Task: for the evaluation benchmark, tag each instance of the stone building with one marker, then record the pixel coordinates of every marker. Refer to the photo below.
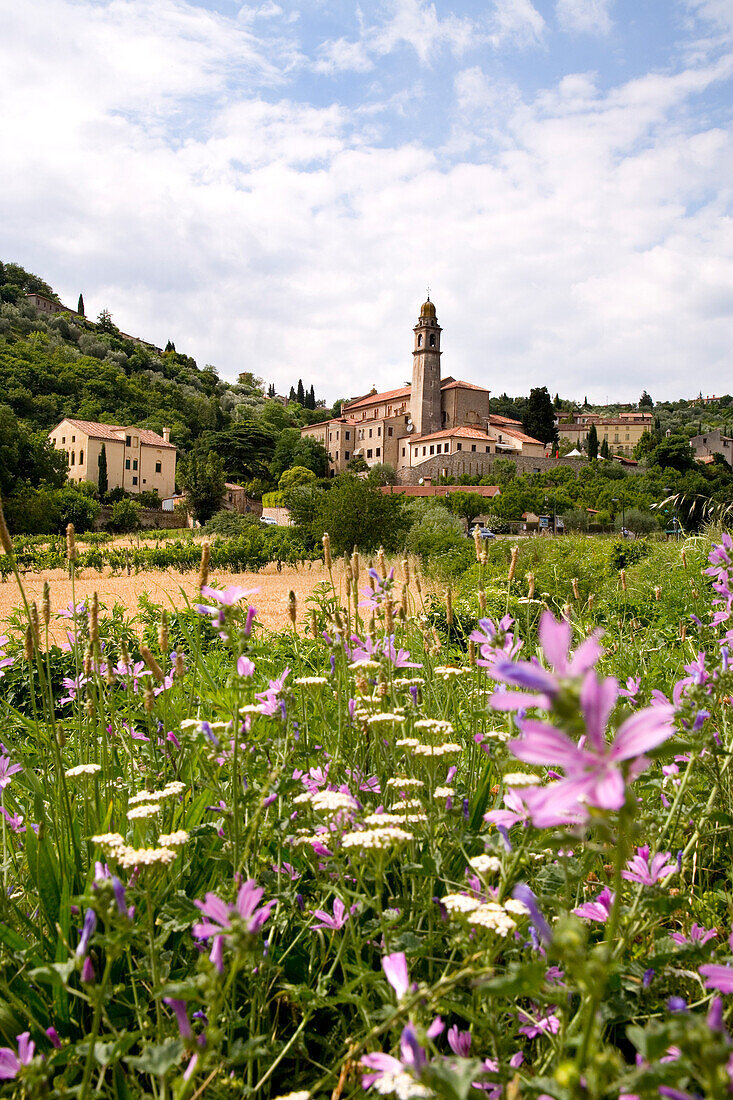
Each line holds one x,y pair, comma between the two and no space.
621,432
429,417
711,443
138,460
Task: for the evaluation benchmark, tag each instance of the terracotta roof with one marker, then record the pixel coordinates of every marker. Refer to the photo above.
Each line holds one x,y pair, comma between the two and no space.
449,433
111,432
462,386
441,490
522,437
404,391
495,418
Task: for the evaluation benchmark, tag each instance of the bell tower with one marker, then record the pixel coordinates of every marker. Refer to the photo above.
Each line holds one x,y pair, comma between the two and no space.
425,398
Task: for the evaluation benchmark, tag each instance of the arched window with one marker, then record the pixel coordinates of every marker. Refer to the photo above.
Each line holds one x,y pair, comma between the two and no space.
81,458
419,340
72,460
432,340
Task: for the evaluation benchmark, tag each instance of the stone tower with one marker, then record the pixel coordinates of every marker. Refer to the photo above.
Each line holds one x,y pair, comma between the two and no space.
425,400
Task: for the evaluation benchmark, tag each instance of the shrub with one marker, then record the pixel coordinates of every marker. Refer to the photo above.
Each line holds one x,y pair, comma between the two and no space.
125,516
231,524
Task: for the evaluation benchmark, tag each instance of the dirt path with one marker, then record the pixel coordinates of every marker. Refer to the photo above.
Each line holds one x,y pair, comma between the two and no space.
165,587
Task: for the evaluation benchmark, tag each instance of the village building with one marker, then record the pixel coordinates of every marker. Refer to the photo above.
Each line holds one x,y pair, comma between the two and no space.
711,443
621,432
138,460
427,418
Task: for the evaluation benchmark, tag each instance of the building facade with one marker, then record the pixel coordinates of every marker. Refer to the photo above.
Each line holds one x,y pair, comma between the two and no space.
711,443
431,416
621,432
138,460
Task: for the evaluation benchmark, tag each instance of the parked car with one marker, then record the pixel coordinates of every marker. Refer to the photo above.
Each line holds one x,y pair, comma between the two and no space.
269,521
484,532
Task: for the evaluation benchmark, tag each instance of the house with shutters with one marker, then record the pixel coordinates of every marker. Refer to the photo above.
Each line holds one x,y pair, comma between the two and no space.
138,459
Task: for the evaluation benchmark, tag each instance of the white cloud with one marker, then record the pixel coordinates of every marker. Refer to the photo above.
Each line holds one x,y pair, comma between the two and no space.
584,16
586,241
516,22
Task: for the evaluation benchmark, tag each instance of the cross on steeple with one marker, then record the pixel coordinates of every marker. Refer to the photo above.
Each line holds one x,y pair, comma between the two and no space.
428,294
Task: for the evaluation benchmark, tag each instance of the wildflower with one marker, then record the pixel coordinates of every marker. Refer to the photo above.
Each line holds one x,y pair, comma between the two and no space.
303,1094
524,895
446,749
434,725
83,769
640,869
219,916
338,920
90,923
506,818
443,792
593,773
395,971
540,1025
520,779
311,681
12,1063
173,840
698,936
245,667
403,782
599,909
7,770
108,840
139,813
485,865
492,917
459,1041
718,977
384,718
143,857
449,672
460,903
227,597
181,1013
376,838
332,802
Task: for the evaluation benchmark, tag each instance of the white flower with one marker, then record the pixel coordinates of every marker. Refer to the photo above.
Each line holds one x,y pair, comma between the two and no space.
443,792
139,813
333,802
407,743
520,779
493,917
310,681
83,769
366,666
513,905
460,903
409,681
405,805
384,718
434,725
144,857
302,1095
402,782
403,1085
485,865
446,672
447,749
375,838
173,840
109,840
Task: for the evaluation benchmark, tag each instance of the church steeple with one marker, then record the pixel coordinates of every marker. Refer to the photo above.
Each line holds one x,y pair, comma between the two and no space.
425,400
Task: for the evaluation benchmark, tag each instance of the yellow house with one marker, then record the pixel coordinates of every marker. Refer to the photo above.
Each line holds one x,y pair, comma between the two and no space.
138,460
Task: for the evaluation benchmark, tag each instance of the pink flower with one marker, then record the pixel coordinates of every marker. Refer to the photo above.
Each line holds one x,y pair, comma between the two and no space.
698,935
220,914
340,916
594,776
227,597
395,971
10,1062
648,874
245,667
599,909
539,1024
718,977
516,812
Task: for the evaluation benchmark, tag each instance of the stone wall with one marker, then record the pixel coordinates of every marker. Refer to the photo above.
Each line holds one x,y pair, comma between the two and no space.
149,518
479,466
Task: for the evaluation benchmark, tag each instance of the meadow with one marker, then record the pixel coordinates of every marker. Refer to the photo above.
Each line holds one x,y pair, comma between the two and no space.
434,837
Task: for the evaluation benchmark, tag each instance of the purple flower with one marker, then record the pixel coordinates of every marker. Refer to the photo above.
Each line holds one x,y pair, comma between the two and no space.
245,667
90,923
539,1024
340,916
599,909
181,1013
395,971
10,1062
87,971
400,658
698,935
718,977
7,770
220,916
640,869
522,892
53,1036
648,977
227,597
516,812
677,1004
459,1042
593,773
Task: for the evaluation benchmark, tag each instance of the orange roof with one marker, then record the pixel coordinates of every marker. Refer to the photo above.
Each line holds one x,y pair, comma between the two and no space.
449,433
495,418
462,386
111,432
404,391
521,436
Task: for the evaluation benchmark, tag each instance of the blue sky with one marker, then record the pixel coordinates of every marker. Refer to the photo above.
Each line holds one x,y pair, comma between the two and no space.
273,185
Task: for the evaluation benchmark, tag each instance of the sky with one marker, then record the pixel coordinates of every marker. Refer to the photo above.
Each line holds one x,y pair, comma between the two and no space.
274,186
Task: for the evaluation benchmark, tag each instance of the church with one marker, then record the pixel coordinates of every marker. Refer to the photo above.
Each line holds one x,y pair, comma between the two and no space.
434,426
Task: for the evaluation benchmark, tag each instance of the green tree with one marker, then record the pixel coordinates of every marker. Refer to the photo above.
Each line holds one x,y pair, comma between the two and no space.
80,305
311,404
639,521
300,395
202,476
466,505
245,448
645,401
674,453
645,446
125,515
381,473
102,479
356,513
105,322
605,453
593,442
357,464
292,450
539,416
78,508
296,475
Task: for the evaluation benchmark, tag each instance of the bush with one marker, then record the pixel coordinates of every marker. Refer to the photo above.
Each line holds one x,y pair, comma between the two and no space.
125,516
77,508
296,475
231,524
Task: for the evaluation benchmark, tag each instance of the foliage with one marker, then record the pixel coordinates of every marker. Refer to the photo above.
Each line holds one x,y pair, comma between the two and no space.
231,524
538,418
292,450
638,521
466,505
103,480
202,476
77,507
125,515
593,442
353,512
296,475
381,473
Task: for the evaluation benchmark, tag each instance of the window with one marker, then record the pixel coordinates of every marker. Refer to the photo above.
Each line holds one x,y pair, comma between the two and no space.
128,440
459,446
419,341
346,456
407,420
424,450
63,438
337,456
158,467
370,433
134,481
488,450
416,452
403,452
134,464
127,464
473,446
81,458
348,435
369,453
389,431
379,451
72,460
145,481
432,449
432,340
135,441
73,439
379,431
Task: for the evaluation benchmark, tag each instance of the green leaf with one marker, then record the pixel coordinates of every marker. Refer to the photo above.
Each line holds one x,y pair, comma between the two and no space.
157,1059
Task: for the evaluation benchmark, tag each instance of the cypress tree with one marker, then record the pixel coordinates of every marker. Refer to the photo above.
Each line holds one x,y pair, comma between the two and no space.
312,398
102,483
592,442
604,448
291,395
80,305
301,393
